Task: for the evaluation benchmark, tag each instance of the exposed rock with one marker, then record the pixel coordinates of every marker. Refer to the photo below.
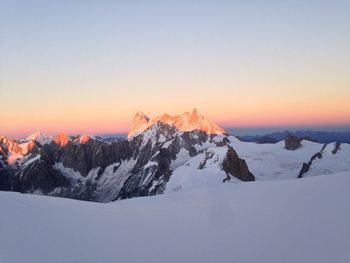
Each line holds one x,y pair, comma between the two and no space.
208,155
292,142
306,166
5,175
336,148
61,139
184,122
139,124
235,166
84,139
9,145
84,157
38,176
304,169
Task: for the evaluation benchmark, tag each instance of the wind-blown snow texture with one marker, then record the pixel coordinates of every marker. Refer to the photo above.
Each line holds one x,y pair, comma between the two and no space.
285,221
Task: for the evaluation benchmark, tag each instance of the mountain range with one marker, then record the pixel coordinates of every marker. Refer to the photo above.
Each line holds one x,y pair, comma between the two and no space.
317,136
161,155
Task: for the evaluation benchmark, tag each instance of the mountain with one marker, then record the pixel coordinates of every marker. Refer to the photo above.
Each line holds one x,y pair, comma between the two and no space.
184,122
161,155
317,136
39,137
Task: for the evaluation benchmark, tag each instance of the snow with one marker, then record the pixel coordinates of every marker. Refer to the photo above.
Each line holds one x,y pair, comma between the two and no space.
31,160
109,183
189,176
16,157
265,161
331,163
304,220
273,161
181,158
39,137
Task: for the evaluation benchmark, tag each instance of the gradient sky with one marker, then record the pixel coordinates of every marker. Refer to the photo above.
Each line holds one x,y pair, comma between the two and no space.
88,66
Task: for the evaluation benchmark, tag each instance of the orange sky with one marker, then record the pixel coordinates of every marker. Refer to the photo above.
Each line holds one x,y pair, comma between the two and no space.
73,67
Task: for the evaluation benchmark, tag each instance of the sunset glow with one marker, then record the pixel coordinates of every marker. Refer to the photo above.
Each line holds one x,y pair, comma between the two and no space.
240,65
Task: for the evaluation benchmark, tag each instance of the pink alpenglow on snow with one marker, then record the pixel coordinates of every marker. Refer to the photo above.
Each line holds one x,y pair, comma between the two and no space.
184,122
15,150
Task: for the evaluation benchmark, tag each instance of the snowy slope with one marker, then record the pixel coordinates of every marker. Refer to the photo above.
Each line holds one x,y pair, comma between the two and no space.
265,161
305,220
273,161
330,162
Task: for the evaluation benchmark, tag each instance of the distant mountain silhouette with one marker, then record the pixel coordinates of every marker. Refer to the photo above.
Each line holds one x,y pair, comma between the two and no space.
317,136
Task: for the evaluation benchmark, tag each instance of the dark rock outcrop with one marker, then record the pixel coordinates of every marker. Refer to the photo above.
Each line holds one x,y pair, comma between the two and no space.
235,166
336,148
292,143
84,157
38,176
306,166
5,176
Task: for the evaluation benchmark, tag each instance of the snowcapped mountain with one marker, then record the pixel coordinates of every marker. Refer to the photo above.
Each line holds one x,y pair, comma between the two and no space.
39,137
161,155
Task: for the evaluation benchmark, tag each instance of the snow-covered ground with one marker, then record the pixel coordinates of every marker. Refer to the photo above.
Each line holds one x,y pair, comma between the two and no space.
265,161
304,220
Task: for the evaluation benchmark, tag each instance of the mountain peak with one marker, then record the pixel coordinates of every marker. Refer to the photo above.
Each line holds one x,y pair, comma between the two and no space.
84,139
61,139
139,124
34,136
183,122
40,137
194,112
140,115
194,117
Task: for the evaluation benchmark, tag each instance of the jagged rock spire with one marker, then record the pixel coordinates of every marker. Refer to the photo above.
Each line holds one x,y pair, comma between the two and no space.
183,122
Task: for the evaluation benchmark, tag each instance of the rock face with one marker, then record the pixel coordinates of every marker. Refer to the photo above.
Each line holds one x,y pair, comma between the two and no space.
5,184
233,165
154,151
336,148
306,166
319,155
39,176
292,143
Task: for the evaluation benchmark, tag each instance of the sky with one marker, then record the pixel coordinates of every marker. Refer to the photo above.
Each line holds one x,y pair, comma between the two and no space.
88,66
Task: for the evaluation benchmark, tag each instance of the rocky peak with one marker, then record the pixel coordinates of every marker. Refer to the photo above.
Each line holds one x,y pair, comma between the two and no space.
139,124
61,139
10,145
12,151
184,122
235,166
292,142
194,117
28,147
84,139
